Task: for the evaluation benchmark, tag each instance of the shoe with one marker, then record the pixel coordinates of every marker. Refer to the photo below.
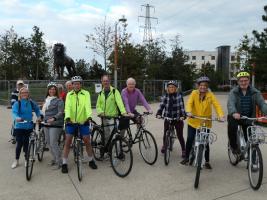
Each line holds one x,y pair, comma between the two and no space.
15,164
13,141
46,149
208,166
52,163
184,161
92,164
64,169
183,154
162,150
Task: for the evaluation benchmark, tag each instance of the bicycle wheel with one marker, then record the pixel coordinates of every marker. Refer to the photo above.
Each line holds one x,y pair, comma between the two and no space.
255,167
41,145
79,155
148,147
121,157
233,158
98,144
199,164
30,160
167,147
192,155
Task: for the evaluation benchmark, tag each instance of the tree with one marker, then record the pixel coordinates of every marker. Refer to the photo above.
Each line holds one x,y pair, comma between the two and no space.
83,68
96,71
101,41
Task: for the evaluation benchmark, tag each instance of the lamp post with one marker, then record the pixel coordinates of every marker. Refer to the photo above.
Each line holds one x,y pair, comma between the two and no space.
123,20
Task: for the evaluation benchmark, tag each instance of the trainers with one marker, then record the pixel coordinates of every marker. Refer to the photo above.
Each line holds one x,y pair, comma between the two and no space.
15,164
208,166
92,164
184,161
64,169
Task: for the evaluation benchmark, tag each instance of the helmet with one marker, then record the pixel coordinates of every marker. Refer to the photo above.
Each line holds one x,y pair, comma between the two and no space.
203,79
20,82
172,83
52,84
76,79
242,74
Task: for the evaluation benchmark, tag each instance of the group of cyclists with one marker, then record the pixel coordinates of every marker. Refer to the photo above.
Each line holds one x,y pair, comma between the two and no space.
72,109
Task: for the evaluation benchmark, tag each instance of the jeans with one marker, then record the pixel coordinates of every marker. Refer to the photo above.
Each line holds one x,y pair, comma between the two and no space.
51,137
189,143
22,138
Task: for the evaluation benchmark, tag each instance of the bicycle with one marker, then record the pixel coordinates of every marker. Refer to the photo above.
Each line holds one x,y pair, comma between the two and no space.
147,143
249,151
78,149
117,148
36,146
169,138
203,136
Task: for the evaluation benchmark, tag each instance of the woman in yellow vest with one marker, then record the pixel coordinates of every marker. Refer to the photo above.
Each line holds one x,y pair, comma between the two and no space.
200,104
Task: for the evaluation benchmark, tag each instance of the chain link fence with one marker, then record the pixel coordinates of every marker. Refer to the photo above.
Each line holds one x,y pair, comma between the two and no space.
152,89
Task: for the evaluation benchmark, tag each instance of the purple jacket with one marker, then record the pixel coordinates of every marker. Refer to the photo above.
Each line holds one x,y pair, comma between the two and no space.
131,99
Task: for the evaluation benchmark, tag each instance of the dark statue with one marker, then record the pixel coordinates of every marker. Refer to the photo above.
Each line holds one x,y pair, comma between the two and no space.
61,60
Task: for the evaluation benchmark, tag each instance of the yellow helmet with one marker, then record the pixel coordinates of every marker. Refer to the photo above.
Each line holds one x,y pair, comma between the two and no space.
242,74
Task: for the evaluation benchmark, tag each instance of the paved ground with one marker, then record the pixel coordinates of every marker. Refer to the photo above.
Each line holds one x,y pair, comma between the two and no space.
144,182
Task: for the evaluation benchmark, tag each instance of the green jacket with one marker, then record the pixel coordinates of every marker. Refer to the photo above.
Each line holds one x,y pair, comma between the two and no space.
109,106
78,106
233,104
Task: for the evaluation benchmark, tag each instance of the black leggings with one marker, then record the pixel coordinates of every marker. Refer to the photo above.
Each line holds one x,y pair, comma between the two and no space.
22,138
189,143
179,126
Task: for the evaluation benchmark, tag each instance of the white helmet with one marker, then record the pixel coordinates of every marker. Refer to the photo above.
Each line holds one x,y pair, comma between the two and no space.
76,79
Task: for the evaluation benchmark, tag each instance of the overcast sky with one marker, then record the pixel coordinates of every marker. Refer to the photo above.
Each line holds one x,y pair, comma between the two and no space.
201,24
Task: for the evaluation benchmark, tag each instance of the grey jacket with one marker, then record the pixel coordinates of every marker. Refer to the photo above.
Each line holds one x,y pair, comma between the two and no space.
56,110
233,104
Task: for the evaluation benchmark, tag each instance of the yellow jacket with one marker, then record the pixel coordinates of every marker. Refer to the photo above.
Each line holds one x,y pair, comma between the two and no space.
202,108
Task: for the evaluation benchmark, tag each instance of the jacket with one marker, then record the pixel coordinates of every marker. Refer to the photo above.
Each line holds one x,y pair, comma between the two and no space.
78,106
110,105
202,108
234,106
24,111
55,109
177,109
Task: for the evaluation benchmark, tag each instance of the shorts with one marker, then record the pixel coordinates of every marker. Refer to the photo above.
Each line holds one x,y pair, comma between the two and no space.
71,129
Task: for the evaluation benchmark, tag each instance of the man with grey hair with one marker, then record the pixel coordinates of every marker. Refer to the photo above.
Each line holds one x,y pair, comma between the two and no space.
131,96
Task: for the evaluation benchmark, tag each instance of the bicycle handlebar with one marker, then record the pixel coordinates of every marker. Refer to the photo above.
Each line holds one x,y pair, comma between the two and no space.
253,118
205,118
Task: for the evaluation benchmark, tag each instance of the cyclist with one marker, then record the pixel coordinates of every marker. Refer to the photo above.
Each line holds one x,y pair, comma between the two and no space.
14,98
109,103
200,104
22,111
242,101
173,106
53,109
78,110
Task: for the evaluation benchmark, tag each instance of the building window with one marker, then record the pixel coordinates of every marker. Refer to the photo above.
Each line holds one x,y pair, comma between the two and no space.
212,57
203,57
194,58
232,58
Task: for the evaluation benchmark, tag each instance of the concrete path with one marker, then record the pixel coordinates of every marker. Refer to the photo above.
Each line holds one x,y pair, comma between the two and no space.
144,182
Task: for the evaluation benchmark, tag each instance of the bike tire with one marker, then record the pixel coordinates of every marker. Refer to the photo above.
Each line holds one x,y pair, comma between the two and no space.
147,142
30,160
79,154
167,146
120,153
98,144
199,163
41,146
255,185
233,158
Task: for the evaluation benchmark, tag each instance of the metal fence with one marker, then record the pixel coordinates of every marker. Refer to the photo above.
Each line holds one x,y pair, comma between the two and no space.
152,89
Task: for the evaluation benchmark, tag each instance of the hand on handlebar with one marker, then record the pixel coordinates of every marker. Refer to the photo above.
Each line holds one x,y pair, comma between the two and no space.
158,116
19,119
131,115
236,116
189,114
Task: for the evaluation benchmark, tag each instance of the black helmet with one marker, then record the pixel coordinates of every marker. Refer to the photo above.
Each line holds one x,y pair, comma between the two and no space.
203,79
172,83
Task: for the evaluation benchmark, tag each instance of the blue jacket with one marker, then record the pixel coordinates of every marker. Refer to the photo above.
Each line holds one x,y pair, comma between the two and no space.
25,112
